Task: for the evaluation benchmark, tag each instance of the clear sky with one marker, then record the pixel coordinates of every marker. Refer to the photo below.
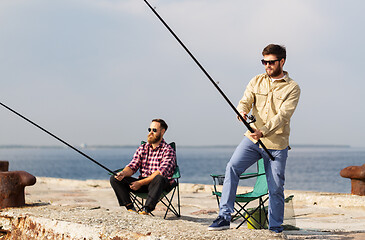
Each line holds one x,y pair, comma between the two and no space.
98,71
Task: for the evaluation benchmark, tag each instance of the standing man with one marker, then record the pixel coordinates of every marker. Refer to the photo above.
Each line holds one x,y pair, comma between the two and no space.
156,161
272,97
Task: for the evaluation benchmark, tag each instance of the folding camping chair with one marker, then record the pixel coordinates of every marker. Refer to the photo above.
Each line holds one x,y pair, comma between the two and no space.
259,192
139,198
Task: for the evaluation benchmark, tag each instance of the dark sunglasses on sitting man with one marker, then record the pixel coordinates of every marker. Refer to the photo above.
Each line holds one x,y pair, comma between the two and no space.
152,129
270,62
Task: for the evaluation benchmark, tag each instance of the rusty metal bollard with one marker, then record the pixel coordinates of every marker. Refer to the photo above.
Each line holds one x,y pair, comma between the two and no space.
12,186
357,176
4,166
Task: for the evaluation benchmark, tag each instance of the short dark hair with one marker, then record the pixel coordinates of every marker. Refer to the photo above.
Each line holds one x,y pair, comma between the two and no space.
162,123
278,50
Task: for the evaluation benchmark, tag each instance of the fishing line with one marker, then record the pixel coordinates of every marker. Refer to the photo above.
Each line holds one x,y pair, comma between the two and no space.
209,77
59,139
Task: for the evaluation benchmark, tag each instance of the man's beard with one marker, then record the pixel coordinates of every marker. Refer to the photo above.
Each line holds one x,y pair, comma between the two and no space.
276,72
153,138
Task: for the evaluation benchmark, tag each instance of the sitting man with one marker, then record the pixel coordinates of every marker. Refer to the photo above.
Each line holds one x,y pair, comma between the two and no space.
156,161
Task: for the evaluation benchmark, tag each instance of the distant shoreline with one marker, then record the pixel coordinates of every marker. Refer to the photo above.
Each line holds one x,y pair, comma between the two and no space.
183,146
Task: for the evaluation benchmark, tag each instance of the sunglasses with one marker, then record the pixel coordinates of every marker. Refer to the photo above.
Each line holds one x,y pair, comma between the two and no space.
152,129
270,62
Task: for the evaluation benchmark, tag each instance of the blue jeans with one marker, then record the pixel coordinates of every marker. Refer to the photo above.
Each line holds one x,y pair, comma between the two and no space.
246,154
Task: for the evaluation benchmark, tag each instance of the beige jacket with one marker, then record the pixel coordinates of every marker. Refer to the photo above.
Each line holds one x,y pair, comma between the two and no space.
273,104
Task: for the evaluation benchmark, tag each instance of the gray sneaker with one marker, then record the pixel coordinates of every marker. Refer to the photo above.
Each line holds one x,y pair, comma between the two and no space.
219,224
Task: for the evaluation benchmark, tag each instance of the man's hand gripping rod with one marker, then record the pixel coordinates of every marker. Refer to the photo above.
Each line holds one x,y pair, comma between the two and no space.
210,78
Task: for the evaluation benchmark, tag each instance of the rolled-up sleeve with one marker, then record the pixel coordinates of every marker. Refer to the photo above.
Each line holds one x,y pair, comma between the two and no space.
245,104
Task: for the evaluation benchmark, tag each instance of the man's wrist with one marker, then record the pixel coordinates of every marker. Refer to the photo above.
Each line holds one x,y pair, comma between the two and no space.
264,131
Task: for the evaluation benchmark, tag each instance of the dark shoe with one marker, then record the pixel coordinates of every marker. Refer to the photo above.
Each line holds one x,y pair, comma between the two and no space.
130,207
145,211
132,210
276,229
219,224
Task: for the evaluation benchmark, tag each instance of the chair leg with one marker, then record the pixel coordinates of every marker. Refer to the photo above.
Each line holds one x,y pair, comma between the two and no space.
250,214
217,200
238,213
215,190
265,212
178,199
136,202
170,206
262,208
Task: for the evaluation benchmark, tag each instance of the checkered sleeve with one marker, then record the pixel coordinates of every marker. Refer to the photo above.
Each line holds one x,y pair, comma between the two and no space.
136,161
168,162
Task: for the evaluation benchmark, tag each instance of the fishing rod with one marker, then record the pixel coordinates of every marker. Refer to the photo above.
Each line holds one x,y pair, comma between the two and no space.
59,139
210,78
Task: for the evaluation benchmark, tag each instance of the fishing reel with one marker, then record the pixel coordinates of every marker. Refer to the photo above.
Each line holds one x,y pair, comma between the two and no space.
251,118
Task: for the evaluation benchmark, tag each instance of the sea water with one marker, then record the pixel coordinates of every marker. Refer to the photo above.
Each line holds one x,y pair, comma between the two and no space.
311,168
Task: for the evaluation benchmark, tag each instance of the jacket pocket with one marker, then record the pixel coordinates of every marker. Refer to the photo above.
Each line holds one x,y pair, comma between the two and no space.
260,98
278,99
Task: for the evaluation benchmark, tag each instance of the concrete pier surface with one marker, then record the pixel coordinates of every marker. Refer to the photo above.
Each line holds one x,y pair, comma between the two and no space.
73,209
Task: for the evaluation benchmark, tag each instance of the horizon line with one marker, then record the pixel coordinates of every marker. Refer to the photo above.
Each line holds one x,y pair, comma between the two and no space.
85,146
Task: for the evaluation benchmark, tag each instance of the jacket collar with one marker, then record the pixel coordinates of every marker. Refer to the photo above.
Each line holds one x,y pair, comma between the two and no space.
286,76
159,146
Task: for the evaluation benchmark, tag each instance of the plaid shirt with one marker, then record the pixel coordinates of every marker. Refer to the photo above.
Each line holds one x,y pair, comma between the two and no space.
148,160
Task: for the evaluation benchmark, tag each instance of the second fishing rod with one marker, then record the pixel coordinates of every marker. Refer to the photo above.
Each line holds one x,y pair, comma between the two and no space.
210,78
59,139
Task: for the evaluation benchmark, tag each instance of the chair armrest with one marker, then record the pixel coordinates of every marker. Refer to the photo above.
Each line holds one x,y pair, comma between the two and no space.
220,177
176,174
242,176
216,175
249,175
